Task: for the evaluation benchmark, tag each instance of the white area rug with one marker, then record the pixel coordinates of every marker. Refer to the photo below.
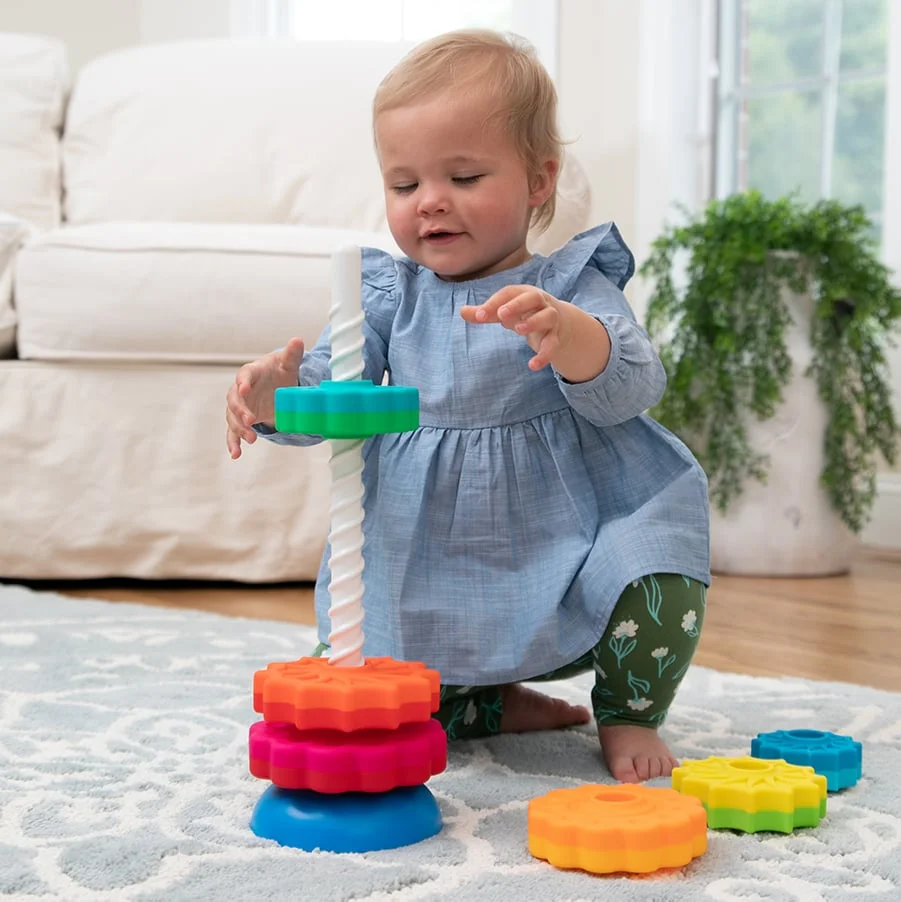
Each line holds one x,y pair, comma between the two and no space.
123,776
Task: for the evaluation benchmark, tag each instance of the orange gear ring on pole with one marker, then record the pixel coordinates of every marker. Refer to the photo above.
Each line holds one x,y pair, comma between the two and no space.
313,694
623,828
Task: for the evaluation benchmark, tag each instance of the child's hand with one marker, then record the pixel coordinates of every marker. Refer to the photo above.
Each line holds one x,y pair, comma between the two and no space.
541,318
251,399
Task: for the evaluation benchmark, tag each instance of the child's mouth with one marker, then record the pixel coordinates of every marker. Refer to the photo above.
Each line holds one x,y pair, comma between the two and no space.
442,237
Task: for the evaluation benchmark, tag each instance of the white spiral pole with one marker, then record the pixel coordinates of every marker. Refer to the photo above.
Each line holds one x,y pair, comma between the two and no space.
346,533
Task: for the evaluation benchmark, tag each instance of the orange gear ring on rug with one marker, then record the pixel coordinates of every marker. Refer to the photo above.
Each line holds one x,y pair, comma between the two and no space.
623,828
752,794
312,694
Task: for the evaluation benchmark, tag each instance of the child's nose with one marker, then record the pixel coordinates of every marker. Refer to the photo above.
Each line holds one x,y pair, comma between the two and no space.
432,201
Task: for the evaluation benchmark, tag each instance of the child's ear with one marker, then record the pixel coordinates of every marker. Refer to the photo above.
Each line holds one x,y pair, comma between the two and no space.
543,181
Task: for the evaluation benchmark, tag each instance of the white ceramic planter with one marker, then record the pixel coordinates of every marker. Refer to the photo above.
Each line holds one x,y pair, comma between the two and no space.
786,527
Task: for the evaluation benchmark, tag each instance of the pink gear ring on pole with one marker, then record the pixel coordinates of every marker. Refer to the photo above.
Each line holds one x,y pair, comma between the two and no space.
333,762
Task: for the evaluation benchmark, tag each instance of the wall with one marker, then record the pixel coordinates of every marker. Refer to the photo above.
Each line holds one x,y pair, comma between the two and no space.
181,20
598,86
90,28
630,83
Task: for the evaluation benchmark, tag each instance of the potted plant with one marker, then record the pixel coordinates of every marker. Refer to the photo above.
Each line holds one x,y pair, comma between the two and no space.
772,319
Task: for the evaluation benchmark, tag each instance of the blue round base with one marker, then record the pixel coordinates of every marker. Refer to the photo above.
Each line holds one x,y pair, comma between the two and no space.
346,822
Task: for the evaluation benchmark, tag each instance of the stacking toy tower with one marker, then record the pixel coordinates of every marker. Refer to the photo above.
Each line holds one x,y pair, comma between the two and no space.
348,743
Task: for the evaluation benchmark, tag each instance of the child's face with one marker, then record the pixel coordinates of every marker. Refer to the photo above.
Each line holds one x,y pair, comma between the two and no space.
458,195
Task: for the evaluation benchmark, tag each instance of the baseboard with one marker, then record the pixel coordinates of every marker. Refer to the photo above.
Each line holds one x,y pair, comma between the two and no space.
884,528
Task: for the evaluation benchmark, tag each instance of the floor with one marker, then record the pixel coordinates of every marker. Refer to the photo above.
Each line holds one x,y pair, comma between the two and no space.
843,628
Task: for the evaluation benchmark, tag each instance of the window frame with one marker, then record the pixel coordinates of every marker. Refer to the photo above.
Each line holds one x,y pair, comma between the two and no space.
731,94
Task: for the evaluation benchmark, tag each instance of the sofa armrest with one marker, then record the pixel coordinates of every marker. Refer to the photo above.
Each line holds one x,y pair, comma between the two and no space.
14,233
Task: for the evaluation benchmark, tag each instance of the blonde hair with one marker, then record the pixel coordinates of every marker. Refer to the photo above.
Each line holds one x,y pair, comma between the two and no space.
501,65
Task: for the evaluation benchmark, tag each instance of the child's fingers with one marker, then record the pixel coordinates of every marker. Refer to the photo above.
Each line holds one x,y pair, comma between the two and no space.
240,426
545,320
513,312
233,440
246,378
237,407
487,312
476,314
233,443
291,355
546,350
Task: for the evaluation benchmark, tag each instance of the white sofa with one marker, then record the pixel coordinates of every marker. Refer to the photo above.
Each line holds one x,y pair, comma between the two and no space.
167,217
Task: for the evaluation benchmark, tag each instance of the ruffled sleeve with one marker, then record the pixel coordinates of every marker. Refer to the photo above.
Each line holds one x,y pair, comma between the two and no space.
379,289
591,272
601,249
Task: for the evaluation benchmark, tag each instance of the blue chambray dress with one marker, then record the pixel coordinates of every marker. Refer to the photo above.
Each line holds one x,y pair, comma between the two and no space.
500,534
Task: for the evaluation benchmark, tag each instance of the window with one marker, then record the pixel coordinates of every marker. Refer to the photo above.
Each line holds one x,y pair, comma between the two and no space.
802,99
407,21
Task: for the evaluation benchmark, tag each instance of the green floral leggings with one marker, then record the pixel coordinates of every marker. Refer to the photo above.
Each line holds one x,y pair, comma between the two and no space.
638,664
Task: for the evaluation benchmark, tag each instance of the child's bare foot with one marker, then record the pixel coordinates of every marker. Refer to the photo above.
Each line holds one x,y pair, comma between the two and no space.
526,710
634,754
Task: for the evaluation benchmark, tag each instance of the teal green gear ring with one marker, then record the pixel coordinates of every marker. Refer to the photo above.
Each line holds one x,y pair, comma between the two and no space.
355,409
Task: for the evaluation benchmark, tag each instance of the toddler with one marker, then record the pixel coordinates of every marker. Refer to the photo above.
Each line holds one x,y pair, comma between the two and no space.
538,523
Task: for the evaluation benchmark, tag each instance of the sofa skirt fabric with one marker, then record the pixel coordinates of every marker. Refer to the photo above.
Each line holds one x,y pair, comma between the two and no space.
120,470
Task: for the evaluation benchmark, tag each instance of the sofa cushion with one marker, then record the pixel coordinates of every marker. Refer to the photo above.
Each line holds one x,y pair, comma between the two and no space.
227,131
33,84
176,291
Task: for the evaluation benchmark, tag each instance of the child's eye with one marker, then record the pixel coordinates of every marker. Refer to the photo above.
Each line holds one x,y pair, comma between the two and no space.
404,189
466,179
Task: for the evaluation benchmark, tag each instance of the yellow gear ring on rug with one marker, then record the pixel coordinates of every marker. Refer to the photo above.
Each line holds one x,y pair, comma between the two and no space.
609,829
753,794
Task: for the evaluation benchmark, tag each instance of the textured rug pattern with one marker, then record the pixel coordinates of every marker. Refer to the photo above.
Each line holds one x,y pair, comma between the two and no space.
123,776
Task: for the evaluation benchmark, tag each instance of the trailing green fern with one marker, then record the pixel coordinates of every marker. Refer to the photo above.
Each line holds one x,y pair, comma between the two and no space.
721,337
